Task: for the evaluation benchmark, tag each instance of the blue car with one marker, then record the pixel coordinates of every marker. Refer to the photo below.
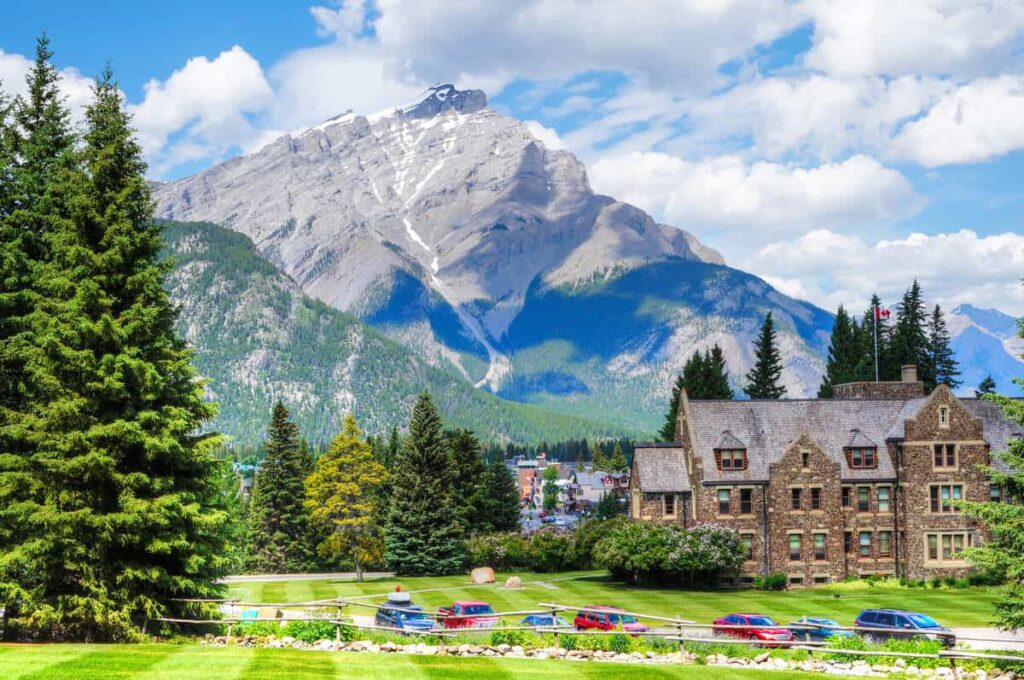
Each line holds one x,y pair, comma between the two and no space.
815,629
546,620
885,624
399,612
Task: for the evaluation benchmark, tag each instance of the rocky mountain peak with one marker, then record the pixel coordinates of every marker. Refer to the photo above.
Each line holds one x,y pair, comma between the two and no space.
445,97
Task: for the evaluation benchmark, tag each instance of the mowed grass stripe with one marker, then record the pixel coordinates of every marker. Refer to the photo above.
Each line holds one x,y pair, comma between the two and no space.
193,661
100,661
363,665
446,667
19,661
268,664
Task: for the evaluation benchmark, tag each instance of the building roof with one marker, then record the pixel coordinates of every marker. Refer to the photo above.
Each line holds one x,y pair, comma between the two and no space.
660,469
729,441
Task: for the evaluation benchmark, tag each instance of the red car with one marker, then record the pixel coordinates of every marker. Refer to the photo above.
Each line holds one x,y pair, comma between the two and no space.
752,627
601,617
467,614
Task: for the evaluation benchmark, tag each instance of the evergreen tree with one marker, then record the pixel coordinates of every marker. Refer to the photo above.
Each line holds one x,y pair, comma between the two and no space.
424,534
763,378
695,376
986,386
843,354
943,366
888,369
340,496
599,462
618,463
668,429
909,341
280,539
717,382
500,507
468,470
550,489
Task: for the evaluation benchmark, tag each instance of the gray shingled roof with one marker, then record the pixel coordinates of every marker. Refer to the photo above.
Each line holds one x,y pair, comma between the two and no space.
998,430
728,441
769,427
858,440
660,469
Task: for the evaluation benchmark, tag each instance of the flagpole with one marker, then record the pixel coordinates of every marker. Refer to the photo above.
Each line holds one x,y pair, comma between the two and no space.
876,342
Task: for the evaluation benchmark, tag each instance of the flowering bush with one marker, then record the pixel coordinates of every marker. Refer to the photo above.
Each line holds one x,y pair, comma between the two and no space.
639,552
504,552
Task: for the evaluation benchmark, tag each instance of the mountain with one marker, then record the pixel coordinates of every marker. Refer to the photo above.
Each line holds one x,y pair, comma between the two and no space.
986,342
453,230
258,338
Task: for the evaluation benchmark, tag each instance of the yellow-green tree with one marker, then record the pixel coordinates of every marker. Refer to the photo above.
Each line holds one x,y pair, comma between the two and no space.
341,498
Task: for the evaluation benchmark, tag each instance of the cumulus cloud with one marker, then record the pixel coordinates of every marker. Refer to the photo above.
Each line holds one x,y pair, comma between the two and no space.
759,200
897,37
545,135
76,88
204,105
975,122
343,21
830,268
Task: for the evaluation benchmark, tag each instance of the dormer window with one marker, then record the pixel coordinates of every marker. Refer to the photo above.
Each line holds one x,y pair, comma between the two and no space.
862,457
732,459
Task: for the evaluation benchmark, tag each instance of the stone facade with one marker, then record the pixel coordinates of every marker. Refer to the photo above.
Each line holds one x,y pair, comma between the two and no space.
826,489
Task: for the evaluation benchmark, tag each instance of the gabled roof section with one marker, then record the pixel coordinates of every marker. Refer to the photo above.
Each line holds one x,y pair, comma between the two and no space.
660,469
729,441
858,440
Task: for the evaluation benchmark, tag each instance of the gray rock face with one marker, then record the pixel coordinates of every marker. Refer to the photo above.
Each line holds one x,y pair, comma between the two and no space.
445,193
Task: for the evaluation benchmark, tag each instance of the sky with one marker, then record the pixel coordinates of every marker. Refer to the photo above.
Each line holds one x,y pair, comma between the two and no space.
834,148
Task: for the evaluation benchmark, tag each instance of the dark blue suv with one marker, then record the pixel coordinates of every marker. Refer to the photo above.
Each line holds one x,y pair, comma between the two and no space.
884,624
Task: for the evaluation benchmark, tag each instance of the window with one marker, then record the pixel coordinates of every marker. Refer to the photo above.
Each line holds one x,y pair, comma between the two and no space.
747,541
941,496
846,496
794,547
819,546
796,580
883,498
746,502
848,542
944,455
865,543
669,504
863,457
732,459
815,499
995,493
948,546
805,458
821,578
863,499
723,501
884,543
796,498
943,416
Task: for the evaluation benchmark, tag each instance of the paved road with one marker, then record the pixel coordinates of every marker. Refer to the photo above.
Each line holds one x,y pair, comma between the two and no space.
333,576
991,638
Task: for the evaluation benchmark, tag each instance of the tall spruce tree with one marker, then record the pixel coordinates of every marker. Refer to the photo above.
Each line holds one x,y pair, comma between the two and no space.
909,340
843,354
870,327
986,386
424,533
763,378
500,507
280,538
126,518
468,470
618,462
944,368
717,381
667,433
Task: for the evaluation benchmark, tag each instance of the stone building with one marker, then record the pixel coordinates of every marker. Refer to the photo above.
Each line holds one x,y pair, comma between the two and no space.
822,489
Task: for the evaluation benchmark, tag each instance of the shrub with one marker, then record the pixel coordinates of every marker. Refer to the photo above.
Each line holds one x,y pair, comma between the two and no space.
567,642
550,550
314,631
936,582
916,646
503,552
775,581
259,628
512,638
852,643
587,535
620,644
639,552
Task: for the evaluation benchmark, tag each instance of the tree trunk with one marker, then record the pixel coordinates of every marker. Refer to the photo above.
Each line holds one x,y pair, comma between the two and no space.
359,567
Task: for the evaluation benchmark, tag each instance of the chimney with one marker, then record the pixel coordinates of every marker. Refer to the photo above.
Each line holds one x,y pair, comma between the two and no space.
908,373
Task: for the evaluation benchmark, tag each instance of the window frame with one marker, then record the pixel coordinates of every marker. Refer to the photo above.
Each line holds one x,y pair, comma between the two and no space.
936,546
887,500
943,453
864,505
815,498
863,549
727,502
845,496
732,456
799,540
820,542
862,457
746,504
796,499
665,505
942,505
885,543
747,541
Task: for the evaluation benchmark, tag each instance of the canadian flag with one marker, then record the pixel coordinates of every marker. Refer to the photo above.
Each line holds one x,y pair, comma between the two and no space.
881,314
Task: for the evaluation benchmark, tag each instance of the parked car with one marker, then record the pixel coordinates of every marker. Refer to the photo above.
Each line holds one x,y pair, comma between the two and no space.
399,612
546,620
884,624
751,627
560,522
602,617
816,629
467,614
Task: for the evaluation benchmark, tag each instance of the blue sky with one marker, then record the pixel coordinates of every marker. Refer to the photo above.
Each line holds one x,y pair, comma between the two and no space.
834,148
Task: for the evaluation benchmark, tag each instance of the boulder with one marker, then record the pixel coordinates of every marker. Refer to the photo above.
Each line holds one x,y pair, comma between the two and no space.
514,583
482,575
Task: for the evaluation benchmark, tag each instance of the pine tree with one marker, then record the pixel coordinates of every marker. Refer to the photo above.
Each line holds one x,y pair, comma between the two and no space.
763,378
280,539
909,340
668,429
340,496
424,534
986,386
599,462
943,366
718,376
888,369
500,507
618,463
843,354
695,376
468,471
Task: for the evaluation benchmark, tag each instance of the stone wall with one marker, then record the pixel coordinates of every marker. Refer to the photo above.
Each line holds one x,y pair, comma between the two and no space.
879,390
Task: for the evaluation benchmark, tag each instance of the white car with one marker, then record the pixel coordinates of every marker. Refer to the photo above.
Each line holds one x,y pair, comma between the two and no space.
560,522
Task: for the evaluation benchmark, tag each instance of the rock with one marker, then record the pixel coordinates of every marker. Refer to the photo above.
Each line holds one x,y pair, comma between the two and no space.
761,658
517,649
513,583
482,575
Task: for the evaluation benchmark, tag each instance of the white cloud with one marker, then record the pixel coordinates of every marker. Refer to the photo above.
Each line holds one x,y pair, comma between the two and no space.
545,135
975,122
76,88
204,105
829,268
722,197
346,19
896,37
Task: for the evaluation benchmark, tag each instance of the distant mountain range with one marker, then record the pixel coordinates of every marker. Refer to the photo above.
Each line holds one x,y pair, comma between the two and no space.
485,256
986,343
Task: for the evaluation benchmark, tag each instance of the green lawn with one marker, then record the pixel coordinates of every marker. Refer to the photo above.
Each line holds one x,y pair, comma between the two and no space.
177,662
966,607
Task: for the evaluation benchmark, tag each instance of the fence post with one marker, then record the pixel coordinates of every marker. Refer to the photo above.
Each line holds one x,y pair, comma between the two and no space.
554,625
230,626
337,627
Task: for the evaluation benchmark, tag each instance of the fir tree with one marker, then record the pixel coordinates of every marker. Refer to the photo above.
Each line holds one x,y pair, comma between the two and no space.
909,341
695,376
843,354
340,496
986,386
500,501
599,462
617,463
763,378
668,429
717,381
943,366
280,539
869,327
424,533
468,470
